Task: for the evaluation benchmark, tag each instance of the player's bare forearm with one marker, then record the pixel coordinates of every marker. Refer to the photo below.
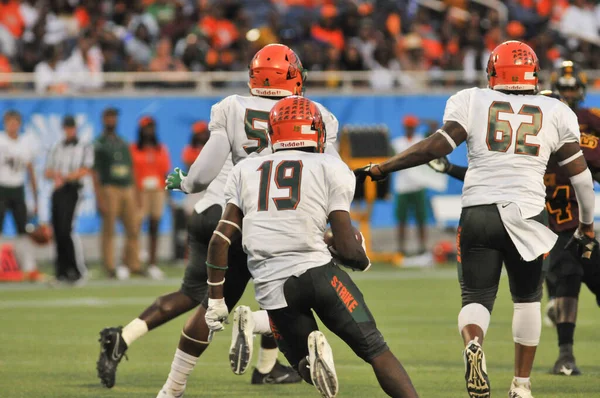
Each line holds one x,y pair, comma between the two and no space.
433,147
77,174
228,231
458,172
350,252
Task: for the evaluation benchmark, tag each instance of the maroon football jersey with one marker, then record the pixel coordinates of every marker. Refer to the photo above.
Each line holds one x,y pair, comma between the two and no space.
589,120
560,195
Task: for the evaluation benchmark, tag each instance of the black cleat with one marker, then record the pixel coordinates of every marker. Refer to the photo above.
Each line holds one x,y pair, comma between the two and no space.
112,350
280,374
478,383
565,365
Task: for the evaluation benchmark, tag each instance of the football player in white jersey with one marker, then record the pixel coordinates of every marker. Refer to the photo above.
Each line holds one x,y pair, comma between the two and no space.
238,129
510,134
16,157
278,206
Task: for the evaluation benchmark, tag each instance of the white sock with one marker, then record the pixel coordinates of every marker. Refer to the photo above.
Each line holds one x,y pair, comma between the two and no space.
134,330
266,359
261,322
181,367
25,253
522,381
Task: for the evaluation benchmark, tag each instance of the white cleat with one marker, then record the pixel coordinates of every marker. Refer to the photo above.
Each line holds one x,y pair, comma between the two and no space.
155,273
165,393
478,383
240,352
519,390
322,369
122,273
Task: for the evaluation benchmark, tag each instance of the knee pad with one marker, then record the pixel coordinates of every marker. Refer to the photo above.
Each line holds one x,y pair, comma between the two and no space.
527,323
485,297
474,314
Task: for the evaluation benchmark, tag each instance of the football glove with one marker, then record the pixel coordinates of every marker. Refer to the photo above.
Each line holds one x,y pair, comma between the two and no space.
174,180
362,173
440,165
216,314
336,257
584,246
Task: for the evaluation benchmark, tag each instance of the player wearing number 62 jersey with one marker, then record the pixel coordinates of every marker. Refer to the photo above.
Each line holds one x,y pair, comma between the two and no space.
279,206
510,133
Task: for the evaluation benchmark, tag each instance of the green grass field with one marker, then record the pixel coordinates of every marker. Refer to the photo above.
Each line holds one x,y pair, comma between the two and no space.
48,342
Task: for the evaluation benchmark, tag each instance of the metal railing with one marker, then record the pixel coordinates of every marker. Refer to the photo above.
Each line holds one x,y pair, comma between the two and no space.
209,83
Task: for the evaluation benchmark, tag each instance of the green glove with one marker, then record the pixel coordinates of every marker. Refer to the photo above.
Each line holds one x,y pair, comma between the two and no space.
175,179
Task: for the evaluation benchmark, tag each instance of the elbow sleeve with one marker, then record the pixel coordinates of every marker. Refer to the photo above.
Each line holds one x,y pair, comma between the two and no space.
584,191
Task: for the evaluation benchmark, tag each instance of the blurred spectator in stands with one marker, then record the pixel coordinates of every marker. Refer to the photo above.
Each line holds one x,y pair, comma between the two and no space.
327,29
5,68
385,68
179,26
67,163
151,164
200,135
221,32
351,59
51,75
366,42
515,31
410,189
138,46
115,197
579,21
85,65
12,26
192,52
163,11
140,15
164,60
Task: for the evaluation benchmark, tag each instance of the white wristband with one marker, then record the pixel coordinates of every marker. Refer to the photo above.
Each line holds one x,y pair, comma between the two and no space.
209,283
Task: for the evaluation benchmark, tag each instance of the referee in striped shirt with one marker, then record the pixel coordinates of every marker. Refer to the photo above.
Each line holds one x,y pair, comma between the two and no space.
68,162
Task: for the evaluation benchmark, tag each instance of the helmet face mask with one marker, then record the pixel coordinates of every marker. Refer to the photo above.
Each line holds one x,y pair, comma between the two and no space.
295,122
276,71
513,66
571,83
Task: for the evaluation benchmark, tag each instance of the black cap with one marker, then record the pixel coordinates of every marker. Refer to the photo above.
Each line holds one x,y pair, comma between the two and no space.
110,111
69,121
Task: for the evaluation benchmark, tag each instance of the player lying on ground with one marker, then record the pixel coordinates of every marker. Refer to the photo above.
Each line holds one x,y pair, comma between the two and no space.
238,128
567,269
504,199
285,200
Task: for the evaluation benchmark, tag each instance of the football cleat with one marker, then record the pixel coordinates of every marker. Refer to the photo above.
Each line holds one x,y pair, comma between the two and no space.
112,350
550,313
280,374
565,365
478,384
519,390
164,393
322,369
242,334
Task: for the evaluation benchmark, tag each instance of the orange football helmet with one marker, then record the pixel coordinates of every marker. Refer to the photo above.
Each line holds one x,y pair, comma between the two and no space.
276,71
513,66
296,122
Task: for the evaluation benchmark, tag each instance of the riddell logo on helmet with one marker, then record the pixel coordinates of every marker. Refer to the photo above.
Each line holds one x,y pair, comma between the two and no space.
292,144
270,92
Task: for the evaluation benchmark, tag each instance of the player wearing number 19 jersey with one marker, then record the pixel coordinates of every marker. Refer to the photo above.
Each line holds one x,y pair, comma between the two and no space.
510,133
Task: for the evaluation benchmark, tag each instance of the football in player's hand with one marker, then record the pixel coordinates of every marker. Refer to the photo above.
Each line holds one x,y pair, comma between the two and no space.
41,234
328,237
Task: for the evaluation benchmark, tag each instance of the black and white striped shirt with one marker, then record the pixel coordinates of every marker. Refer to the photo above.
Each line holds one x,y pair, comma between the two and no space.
66,157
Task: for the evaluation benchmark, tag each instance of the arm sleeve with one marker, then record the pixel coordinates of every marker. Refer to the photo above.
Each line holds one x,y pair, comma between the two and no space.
232,188
584,192
567,125
207,165
457,108
341,183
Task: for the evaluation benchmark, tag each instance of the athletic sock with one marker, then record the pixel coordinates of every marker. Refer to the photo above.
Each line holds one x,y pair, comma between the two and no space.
266,359
523,382
261,322
565,331
25,253
134,330
181,367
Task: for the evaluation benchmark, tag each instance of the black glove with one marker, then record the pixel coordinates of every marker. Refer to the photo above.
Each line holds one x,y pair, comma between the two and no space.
584,247
362,173
441,165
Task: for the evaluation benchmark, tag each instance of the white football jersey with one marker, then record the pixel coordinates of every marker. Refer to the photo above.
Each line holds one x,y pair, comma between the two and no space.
243,120
510,139
286,198
15,155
